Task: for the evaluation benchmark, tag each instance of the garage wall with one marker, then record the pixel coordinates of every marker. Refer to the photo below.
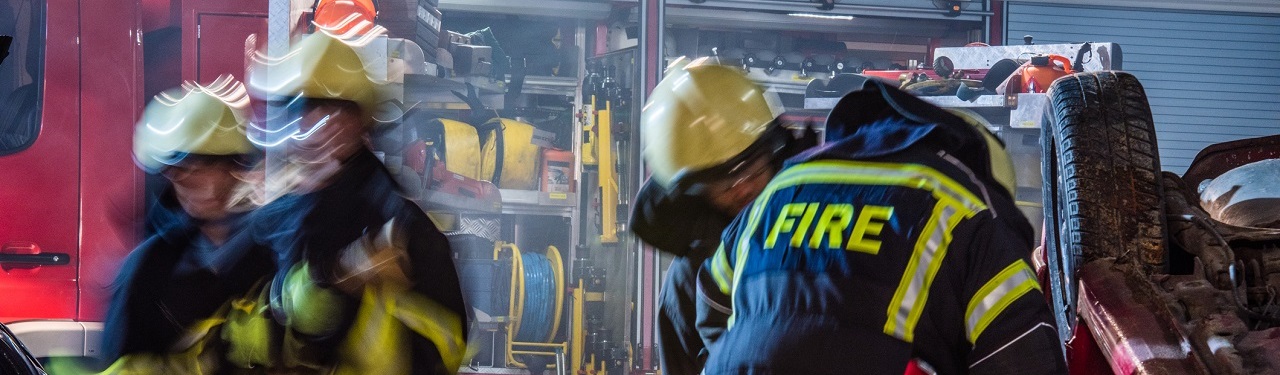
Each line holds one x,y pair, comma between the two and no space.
1210,77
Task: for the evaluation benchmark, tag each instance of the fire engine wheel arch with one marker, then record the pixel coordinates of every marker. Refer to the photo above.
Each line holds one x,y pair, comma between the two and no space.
1101,171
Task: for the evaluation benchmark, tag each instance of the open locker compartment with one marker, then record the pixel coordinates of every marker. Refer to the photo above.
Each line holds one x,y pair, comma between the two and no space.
491,137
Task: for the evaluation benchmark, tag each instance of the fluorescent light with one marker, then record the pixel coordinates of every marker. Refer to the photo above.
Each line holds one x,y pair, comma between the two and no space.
821,16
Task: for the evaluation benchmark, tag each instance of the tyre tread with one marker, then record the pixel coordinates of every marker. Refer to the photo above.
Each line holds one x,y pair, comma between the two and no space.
1108,164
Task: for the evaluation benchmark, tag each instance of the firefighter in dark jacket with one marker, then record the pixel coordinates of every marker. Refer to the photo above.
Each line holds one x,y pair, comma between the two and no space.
687,203
199,257
367,283
897,240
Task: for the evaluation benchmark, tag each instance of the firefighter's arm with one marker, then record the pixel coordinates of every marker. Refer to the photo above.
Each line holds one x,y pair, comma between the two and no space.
716,283
115,338
720,267
404,271
1006,318
441,315
713,307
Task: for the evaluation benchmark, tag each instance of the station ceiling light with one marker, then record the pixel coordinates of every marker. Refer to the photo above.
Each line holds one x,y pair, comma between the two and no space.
822,16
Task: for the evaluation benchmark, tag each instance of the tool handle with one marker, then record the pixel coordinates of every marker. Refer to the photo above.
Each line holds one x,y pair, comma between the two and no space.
1066,63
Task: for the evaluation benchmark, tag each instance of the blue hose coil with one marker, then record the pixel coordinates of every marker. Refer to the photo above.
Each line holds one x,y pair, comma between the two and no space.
539,298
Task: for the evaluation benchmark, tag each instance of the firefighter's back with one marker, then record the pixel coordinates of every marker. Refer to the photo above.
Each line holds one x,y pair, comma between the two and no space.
856,266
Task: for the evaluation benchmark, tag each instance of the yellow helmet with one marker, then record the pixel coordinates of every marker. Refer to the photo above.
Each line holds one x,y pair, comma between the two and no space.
1001,163
193,119
700,116
320,66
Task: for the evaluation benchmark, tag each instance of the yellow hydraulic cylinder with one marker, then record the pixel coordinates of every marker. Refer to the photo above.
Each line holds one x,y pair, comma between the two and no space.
577,340
608,176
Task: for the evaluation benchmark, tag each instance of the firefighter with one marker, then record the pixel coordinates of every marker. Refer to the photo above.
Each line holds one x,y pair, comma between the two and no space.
895,244
199,258
697,187
366,282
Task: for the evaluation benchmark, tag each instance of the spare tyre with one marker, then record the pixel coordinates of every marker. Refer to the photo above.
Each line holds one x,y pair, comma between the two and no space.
1101,170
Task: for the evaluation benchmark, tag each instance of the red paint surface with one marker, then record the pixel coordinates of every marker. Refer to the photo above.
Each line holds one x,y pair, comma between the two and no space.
226,43
1134,331
78,190
652,44
111,186
1219,158
996,24
39,201
158,14
218,47
1083,355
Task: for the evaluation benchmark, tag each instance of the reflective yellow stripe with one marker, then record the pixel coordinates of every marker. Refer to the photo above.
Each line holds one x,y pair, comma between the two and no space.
1007,286
720,270
906,175
909,299
848,172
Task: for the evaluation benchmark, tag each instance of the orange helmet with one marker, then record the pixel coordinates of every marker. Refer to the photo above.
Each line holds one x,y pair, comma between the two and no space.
342,16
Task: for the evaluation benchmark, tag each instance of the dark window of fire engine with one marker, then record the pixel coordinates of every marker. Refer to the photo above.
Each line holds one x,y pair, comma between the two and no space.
21,69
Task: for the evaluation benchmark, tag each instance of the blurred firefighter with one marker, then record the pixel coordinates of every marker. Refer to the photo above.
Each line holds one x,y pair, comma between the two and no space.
896,244
366,282
171,289
698,186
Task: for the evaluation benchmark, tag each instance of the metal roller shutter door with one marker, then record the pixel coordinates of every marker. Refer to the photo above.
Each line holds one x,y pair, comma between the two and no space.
1210,77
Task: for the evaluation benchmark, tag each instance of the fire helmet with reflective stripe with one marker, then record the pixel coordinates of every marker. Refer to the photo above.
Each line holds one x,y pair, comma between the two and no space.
193,120
320,66
702,115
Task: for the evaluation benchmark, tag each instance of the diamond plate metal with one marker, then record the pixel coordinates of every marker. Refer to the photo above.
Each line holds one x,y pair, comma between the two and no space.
1106,56
278,27
1030,111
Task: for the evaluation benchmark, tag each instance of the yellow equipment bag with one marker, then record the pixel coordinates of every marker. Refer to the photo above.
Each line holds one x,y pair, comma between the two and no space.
461,146
510,157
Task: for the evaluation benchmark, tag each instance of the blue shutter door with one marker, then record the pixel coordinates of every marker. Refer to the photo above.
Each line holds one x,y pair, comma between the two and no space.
1210,77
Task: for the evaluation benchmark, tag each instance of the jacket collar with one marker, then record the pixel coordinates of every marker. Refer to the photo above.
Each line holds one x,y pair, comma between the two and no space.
879,120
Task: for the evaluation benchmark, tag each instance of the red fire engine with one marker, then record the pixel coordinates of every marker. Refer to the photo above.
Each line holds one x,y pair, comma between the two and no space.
71,200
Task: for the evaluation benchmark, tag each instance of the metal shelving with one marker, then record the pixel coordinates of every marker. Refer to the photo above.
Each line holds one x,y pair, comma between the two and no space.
419,83
434,200
533,202
589,10
984,101
950,101
432,89
782,81
547,85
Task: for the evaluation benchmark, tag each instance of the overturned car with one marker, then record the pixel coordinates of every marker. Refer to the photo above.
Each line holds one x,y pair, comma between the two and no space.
1149,272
